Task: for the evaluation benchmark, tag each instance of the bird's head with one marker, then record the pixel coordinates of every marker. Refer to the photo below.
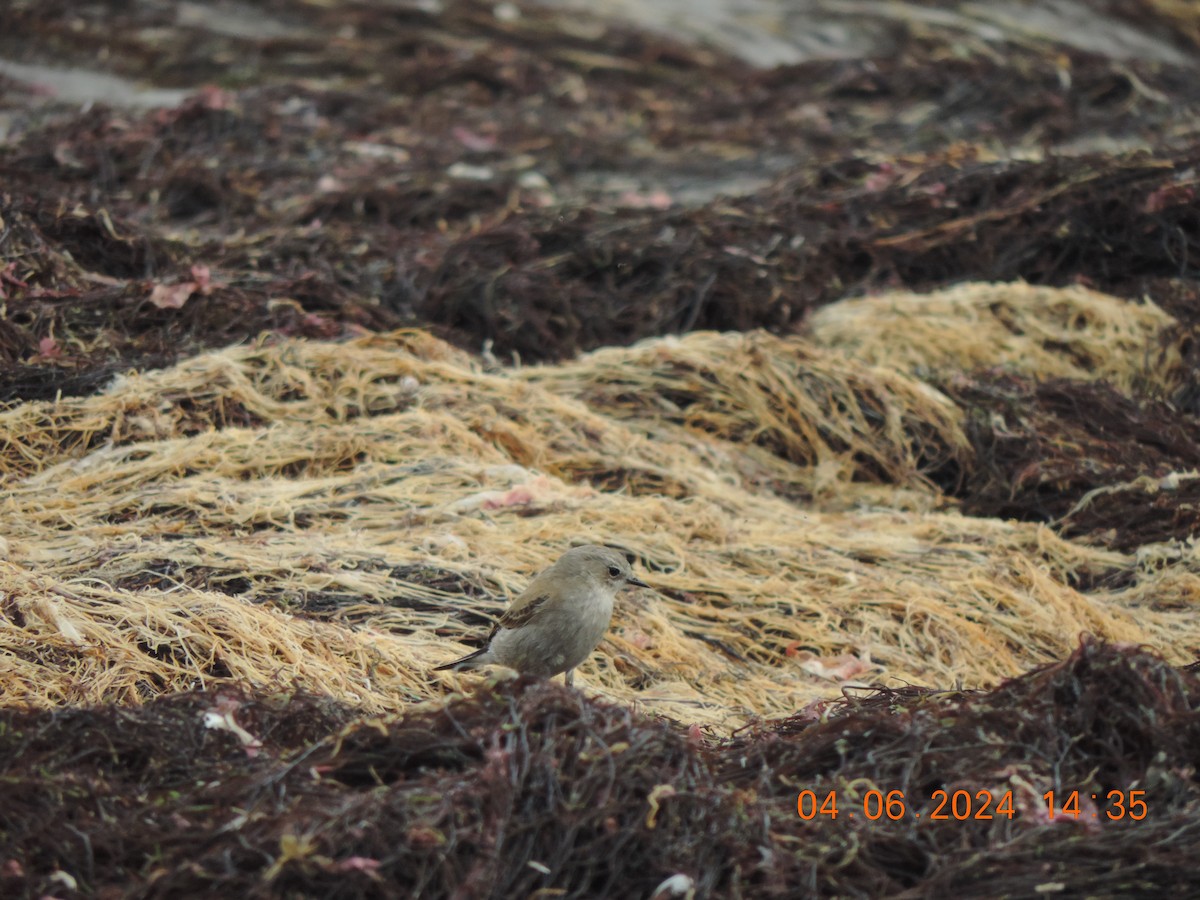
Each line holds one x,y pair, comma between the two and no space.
601,565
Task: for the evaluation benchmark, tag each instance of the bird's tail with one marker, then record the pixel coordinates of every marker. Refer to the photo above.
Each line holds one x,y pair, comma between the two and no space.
470,661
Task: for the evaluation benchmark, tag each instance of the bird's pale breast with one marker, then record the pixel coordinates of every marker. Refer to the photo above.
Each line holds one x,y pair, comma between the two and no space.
561,636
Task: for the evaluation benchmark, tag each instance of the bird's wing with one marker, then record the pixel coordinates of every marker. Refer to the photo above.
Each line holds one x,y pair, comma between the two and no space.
522,613
526,606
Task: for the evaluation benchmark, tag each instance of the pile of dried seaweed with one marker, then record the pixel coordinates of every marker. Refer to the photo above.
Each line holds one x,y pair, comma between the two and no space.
328,515
524,788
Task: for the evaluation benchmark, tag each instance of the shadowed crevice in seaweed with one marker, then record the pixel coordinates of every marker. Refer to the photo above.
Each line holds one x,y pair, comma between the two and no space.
1082,456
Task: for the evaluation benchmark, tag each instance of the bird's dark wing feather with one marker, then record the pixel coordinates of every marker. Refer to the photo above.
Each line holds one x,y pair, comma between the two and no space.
458,662
515,618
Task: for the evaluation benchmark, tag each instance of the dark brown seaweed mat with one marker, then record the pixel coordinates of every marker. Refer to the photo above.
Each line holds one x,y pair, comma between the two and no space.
527,786
316,180
1042,448
544,281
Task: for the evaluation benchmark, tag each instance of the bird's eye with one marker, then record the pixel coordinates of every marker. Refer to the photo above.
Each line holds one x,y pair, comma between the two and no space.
614,572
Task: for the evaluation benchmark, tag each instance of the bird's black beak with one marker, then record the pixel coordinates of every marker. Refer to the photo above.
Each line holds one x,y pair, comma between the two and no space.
636,582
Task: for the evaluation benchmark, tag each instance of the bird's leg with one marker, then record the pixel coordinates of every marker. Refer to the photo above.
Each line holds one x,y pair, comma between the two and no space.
569,677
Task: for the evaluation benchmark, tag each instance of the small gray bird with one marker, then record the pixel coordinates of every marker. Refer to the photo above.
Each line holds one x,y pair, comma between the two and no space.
560,618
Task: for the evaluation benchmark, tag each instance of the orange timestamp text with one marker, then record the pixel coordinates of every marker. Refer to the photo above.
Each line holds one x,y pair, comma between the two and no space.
963,805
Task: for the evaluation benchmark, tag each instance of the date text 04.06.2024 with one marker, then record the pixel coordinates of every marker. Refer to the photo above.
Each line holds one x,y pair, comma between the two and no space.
982,805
